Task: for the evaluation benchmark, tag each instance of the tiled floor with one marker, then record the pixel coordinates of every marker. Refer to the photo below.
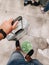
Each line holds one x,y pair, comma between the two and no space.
39,28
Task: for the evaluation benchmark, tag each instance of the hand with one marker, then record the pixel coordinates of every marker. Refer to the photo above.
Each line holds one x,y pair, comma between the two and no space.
7,26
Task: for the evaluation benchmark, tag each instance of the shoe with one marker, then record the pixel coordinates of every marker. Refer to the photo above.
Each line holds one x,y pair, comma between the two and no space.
30,2
17,45
28,55
36,3
25,4
42,10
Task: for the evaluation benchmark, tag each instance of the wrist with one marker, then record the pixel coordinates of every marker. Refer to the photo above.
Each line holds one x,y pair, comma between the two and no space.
3,28
1,36
2,33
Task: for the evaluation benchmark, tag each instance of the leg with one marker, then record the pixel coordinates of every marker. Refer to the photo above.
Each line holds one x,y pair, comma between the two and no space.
25,1
47,7
16,58
35,62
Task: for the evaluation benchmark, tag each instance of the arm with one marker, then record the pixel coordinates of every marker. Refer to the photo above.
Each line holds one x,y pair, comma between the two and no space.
7,27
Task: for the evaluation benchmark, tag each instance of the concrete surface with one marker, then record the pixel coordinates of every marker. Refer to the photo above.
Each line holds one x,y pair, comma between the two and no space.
39,28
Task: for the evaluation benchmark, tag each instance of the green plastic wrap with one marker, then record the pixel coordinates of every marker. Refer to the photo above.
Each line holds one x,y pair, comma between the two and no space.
26,46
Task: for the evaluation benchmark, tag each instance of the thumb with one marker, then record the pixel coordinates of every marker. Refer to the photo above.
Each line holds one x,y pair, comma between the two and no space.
15,25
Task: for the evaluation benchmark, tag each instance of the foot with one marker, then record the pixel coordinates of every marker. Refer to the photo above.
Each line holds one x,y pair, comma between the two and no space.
42,10
18,45
25,4
30,2
36,3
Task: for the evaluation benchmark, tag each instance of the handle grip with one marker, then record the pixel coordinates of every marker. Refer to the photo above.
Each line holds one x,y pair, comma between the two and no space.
28,55
17,19
30,52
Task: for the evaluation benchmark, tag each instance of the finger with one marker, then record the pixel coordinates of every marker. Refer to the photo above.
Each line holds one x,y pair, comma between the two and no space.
4,21
10,20
15,25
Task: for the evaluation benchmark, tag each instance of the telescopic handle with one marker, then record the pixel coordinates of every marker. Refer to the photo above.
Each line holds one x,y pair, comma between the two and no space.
17,19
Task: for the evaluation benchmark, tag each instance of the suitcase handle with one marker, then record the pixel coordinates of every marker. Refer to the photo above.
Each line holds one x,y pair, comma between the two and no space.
17,19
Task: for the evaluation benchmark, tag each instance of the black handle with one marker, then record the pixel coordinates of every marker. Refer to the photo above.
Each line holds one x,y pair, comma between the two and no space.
19,31
17,43
17,19
30,52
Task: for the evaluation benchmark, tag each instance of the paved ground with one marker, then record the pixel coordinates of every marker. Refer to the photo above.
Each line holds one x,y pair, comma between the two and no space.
38,29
